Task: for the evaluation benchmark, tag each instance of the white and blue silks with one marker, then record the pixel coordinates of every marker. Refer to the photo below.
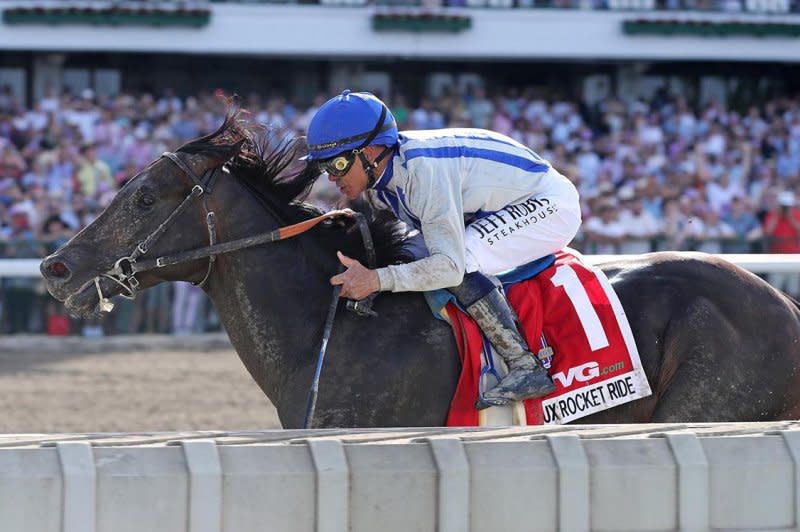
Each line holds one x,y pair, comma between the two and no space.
518,208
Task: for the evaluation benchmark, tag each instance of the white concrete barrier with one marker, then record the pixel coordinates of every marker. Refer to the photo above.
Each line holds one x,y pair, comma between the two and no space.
743,476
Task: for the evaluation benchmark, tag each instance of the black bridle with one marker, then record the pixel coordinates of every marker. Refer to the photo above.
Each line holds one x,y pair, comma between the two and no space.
125,268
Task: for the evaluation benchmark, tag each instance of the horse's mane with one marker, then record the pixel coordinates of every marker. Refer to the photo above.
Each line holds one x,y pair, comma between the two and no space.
272,170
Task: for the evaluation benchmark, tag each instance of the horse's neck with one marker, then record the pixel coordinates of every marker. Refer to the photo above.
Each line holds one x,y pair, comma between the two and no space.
268,300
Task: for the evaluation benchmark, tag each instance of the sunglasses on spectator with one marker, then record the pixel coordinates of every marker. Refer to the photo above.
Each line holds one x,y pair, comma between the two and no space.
339,165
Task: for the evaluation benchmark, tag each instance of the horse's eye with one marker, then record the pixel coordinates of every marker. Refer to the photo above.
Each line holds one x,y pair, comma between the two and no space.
146,200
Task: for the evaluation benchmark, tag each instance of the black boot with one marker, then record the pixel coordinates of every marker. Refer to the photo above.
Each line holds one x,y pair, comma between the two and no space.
526,378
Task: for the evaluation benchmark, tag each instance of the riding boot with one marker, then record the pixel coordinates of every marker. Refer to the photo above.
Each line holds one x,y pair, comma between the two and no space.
526,378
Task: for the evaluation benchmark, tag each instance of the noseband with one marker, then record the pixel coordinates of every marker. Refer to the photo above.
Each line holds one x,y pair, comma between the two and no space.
125,268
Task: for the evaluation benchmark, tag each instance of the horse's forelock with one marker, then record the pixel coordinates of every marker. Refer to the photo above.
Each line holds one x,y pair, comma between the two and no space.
236,131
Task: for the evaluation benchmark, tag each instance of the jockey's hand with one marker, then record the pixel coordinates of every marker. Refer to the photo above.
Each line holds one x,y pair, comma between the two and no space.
357,280
344,217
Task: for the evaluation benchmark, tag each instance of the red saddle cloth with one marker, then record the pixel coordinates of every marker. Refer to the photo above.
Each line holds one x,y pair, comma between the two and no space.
596,364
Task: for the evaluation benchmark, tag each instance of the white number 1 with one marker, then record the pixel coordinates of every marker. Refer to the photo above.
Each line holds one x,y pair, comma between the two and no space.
565,276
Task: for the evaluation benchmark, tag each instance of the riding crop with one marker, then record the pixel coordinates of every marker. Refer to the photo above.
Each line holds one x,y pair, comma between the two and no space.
311,405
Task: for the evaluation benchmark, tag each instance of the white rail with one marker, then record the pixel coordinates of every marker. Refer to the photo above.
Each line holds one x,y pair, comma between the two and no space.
754,262
698,477
19,267
757,263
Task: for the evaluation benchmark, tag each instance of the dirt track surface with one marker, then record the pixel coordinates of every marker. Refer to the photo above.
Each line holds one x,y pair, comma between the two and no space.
127,384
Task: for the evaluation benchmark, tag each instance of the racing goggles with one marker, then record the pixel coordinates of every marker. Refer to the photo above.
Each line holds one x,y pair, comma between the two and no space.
339,165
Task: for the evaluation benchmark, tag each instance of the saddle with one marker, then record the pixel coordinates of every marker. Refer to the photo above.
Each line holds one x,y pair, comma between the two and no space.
571,316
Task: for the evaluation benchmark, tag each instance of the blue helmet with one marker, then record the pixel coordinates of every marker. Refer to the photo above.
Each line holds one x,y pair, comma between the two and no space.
346,122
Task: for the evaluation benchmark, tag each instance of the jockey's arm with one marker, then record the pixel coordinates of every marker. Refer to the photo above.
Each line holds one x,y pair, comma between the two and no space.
429,273
438,206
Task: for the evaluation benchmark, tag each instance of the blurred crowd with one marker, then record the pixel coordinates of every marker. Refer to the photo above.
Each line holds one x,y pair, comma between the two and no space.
657,174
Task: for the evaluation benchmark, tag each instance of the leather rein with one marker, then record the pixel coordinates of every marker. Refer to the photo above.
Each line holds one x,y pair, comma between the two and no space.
125,268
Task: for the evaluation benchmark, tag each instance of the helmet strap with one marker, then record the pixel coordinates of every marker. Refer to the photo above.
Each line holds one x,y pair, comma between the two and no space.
370,167
376,130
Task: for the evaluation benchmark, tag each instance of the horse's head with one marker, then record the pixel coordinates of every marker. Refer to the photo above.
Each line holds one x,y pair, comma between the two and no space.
162,210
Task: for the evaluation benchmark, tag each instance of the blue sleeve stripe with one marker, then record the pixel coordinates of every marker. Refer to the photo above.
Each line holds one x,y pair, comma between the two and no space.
483,138
455,152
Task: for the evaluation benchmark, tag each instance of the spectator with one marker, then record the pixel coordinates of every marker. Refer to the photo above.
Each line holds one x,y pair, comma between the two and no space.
398,105
12,165
603,231
94,175
83,115
50,102
746,227
36,175
782,229
714,232
675,225
140,150
426,116
641,228
480,109
186,127
108,134
721,191
63,165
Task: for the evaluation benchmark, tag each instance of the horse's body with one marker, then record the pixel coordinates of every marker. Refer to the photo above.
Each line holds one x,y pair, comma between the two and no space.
716,343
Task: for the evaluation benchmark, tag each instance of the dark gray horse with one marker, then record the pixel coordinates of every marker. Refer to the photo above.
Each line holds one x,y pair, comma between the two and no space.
716,343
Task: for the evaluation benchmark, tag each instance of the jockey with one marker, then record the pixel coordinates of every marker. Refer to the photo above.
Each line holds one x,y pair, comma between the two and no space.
483,203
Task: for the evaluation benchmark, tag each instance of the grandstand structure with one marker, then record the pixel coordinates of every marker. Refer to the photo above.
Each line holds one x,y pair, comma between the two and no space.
585,48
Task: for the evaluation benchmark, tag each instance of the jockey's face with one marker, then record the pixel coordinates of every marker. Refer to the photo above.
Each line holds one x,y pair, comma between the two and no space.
355,181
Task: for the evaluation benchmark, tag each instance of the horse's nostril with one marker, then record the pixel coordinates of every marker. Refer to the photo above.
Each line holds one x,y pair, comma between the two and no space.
58,270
